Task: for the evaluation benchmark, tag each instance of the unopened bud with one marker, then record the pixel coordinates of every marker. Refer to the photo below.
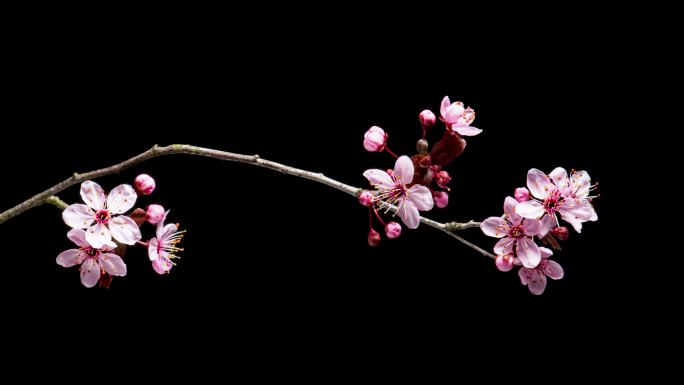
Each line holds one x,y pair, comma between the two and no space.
366,198
442,178
144,184
504,262
373,238
422,146
561,232
154,214
374,139
427,119
521,194
441,199
393,230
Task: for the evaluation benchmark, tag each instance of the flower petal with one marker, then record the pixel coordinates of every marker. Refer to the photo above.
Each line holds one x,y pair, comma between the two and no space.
548,222
112,264
534,279
509,208
90,272
162,265
71,257
443,107
124,230
531,226
78,216
153,249
494,227
454,112
421,197
581,182
530,209
98,235
575,214
167,231
378,178
466,130
559,177
545,252
160,226
403,170
528,252
121,199
408,212
552,269
504,246
77,236
93,195
538,183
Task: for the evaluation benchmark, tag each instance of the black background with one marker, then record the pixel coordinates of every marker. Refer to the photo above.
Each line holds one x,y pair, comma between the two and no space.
272,257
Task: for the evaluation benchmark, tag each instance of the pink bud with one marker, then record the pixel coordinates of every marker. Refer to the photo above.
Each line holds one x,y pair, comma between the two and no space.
522,194
374,139
504,262
427,119
154,214
442,178
441,199
144,184
373,238
393,230
366,198
561,232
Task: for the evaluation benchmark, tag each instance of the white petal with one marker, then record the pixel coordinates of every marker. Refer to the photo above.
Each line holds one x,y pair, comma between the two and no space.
530,209
71,257
121,199
403,170
408,212
77,236
421,197
93,195
90,272
124,230
538,183
98,235
509,208
494,227
378,178
152,249
466,130
112,264
78,216
559,177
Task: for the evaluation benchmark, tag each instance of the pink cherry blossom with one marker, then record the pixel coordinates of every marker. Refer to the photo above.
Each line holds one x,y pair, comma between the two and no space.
535,278
162,248
100,215
457,118
396,190
504,262
374,139
516,234
555,193
94,261
366,198
521,194
144,184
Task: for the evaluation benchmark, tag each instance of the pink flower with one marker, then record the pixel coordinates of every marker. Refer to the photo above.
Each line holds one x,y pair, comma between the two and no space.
162,248
394,190
441,199
457,118
521,194
535,278
144,184
94,261
374,139
427,119
516,234
154,213
556,193
393,230
98,215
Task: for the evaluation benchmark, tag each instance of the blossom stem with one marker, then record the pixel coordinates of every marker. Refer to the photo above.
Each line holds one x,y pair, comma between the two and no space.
143,243
48,196
375,210
390,152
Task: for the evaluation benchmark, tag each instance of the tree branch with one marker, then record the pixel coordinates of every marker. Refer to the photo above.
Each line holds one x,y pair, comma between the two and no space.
48,196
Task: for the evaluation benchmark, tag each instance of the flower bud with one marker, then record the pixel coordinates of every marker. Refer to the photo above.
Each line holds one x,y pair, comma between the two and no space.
373,238
422,146
144,184
154,214
393,230
521,194
443,178
441,199
427,119
560,232
374,139
504,262
366,198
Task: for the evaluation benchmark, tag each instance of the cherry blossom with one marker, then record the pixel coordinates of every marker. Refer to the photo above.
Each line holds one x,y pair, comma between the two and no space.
162,248
99,214
457,118
535,278
95,262
396,189
374,140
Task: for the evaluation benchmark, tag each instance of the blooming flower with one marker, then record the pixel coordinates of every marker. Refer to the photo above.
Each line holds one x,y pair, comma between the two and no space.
516,234
98,215
374,139
535,279
394,189
457,118
94,261
554,193
162,248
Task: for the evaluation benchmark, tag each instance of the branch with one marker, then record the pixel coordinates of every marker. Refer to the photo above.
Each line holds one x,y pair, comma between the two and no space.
48,196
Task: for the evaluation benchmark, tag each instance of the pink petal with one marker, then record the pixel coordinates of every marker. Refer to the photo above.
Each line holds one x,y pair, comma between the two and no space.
534,279
466,130
408,212
71,257
504,246
454,112
509,208
153,249
93,195
90,272
168,230
98,235
545,252
552,269
528,252
581,182
421,197
443,107
121,199
378,178
548,222
494,227
575,214
124,230
160,226
78,216
112,264
559,177
538,183
162,265
530,209
403,170
531,227
77,236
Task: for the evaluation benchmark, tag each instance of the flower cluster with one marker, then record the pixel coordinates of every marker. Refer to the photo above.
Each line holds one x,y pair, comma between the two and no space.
531,214
416,183
101,230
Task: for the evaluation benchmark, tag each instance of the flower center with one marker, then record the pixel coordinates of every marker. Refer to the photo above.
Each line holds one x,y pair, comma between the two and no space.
92,252
102,216
553,202
516,232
